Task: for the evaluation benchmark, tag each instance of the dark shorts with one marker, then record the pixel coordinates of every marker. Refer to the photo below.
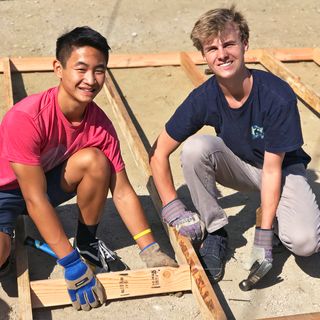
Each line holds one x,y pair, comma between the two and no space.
12,203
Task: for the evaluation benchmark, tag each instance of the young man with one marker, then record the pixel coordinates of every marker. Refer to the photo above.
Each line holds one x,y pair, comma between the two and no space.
69,147
257,148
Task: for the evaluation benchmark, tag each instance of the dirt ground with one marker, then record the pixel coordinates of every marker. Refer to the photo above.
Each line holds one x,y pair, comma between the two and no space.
30,28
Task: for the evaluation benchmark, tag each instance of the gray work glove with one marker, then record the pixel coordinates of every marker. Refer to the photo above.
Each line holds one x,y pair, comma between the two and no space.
187,223
262,247
153,257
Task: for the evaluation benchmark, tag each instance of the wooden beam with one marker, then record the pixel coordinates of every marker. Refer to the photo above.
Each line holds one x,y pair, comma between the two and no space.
118,285
316,56
188,66
202,290
32,64
278,68
23,281
7,82
305,316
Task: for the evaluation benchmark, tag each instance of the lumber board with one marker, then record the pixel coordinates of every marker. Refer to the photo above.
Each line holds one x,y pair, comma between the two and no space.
305,316
305,93
33,64
202,290
23,280
7,82
316,56
118,285
189,67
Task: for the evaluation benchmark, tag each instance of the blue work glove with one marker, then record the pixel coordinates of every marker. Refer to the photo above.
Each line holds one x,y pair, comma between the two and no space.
262,247
84,289
187,223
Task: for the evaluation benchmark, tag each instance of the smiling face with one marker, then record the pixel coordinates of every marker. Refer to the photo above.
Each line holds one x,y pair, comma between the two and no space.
224,54
82,77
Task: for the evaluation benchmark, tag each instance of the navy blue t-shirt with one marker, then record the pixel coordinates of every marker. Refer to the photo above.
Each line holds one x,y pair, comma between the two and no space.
268,120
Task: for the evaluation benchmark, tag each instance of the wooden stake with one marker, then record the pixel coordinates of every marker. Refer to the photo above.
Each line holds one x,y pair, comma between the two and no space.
304,92
305,316
23,281
7,82
118,285
188,66
24,296
209,304
29,64
316,56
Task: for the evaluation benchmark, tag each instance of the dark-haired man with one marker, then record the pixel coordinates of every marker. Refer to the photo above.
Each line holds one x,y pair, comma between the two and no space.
69,147
257,148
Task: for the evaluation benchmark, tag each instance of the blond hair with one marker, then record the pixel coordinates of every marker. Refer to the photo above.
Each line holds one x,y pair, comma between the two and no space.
213,22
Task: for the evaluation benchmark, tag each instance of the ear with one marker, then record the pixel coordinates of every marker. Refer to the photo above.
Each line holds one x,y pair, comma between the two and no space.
57,68
246,45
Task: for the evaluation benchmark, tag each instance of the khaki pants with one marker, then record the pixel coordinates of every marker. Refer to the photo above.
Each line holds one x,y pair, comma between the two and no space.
206,160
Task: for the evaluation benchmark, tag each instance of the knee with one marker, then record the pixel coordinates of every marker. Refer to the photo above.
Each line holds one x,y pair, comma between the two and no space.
199,148
94,160
302,243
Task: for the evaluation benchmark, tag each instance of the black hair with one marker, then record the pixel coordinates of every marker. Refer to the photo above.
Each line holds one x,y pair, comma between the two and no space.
80,37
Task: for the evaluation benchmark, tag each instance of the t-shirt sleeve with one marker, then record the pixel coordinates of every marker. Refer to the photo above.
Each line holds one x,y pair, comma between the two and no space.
283,128
22,139
189,117
112,150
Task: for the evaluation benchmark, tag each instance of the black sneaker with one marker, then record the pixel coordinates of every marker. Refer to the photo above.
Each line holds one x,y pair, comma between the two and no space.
213,256
98,254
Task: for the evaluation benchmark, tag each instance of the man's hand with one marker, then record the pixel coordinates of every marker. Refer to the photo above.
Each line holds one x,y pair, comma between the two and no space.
153,257
262,247
187,223
84,289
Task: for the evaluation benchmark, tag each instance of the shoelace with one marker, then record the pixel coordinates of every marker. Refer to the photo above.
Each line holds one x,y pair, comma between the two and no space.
104,253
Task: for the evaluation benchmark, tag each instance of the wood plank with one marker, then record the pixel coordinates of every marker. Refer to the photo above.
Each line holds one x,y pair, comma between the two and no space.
202,290
7,82
188,66
33,64
118,285
303,91
305,316
23,281
316,56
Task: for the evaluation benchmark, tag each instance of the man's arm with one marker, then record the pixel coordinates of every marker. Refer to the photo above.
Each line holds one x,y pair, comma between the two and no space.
32,183
132,214
270,187
174,212
129,207
160,166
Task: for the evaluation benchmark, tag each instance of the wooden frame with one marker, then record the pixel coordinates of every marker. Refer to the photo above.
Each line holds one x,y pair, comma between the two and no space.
190,275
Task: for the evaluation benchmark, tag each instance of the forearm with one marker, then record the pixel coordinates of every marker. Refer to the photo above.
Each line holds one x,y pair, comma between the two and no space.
270,196
49,226
131,213
162,176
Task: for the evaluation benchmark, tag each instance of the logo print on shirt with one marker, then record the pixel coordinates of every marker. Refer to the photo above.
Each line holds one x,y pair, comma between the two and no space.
257,132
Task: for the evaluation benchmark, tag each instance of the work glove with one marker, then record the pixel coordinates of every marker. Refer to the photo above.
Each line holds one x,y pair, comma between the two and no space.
84,289
187,223
262,247
153,257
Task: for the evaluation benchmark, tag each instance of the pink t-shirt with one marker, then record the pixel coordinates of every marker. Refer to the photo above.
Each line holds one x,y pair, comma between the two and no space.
35,132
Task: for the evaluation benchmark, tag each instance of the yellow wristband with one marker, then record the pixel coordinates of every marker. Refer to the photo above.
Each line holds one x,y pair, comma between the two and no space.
141,234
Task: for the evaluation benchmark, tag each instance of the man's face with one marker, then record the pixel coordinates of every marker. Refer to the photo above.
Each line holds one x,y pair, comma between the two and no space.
225,53
83,76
